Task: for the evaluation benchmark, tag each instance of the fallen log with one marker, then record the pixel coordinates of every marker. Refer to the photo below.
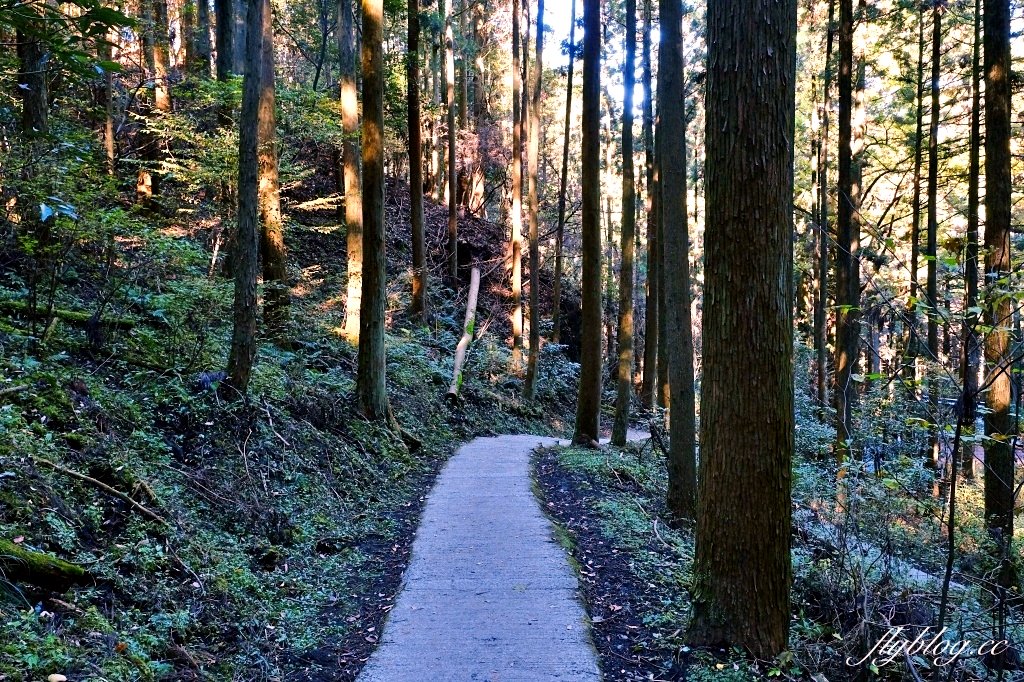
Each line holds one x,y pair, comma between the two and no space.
18,564
467,333
75,317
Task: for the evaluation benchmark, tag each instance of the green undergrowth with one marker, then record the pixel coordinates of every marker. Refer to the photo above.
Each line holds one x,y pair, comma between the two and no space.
865,561
286,512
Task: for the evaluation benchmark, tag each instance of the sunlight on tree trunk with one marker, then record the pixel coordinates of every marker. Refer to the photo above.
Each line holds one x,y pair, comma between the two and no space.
276,293
347,47
371,384
624,387
517,196
420,270
533,156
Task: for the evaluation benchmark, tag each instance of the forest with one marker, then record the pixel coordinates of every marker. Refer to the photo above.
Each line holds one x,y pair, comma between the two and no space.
401,340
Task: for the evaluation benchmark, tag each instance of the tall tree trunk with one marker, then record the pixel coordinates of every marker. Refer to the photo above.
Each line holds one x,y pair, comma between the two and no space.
157,56
453,171
624,388
240,22
653,210
556,333
347,47
677,344
742,571
224,11
276,293
931,250
109,134
999,422
913,341
848,243
821,302
588,406
420,269
533,158
371,385
971,346
246,247
200,64
33,88
187,18
517,195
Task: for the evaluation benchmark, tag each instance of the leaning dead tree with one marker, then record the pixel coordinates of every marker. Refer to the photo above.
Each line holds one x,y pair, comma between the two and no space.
468,328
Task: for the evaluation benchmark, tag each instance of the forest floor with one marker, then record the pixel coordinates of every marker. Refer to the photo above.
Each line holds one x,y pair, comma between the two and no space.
286,518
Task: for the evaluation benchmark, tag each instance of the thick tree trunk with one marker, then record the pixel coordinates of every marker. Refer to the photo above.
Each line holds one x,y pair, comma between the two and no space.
971,346
246,247
624,385
370,380
742,571
420,270
588,407
347,47
200,64
517,195
999,422
677,344
848,243
556,334
276,293
224,11
533,158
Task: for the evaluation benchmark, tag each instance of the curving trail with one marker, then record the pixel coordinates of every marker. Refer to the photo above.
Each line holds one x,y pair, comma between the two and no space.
488,595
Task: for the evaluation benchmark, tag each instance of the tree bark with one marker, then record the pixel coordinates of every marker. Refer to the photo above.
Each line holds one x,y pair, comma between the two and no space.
453,171
653,206
200,64
624,387
517,194
913,342
556,333
246,247
931,250
678,340
347,47
742,571
370,380
821,302
420,270
468,328
999,422
848,243
225,14
588,407
971,346
533,156
276,293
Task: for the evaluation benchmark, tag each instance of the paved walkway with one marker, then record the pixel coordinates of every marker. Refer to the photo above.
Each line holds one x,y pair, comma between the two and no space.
488,595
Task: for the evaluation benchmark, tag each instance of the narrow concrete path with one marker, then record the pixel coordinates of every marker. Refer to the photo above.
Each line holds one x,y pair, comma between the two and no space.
488,595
